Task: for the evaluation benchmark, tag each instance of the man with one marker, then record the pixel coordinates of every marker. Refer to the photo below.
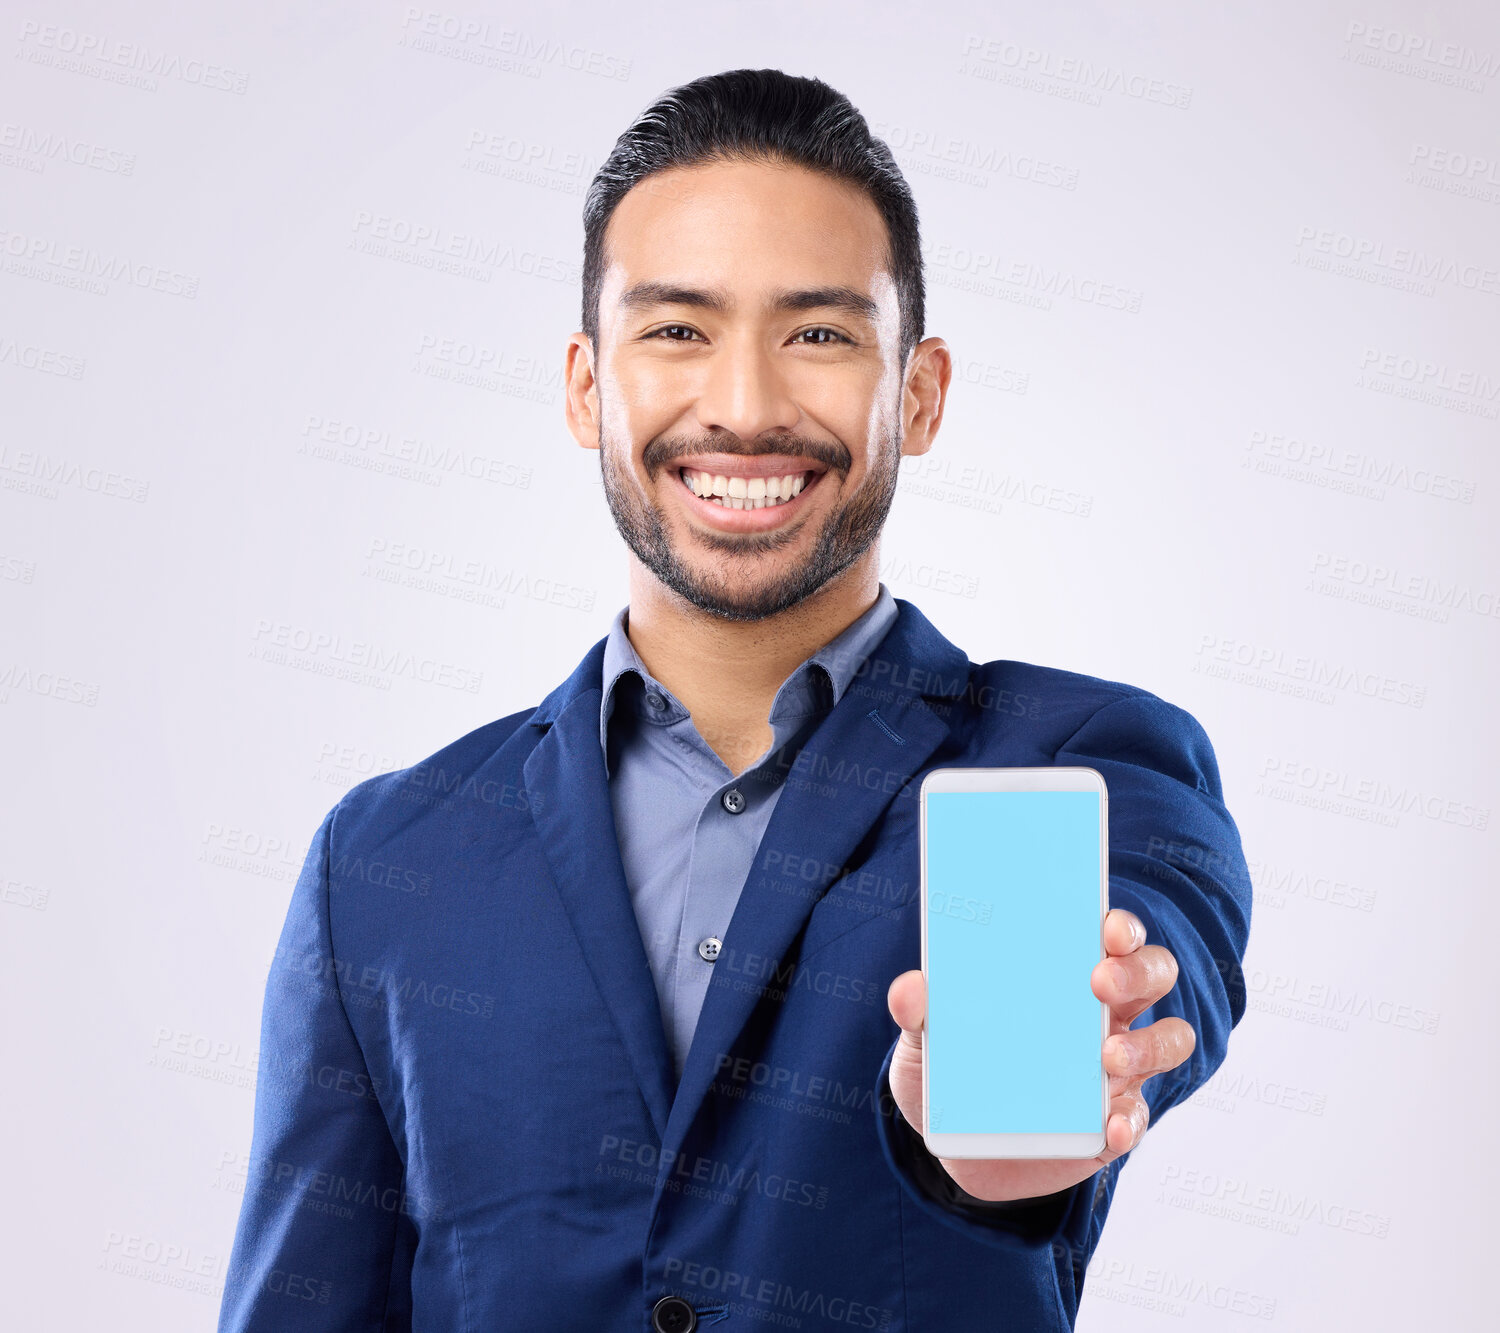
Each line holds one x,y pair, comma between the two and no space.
646,1052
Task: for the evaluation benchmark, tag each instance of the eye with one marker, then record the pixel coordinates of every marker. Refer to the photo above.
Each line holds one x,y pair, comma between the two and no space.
669,332
833,333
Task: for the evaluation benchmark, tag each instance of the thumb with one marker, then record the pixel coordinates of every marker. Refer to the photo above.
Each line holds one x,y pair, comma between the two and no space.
907,1001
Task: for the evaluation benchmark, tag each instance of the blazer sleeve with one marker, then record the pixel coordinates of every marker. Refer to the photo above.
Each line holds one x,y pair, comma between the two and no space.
315,1247
1176,861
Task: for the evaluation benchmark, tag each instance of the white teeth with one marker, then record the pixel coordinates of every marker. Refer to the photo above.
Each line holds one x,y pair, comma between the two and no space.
745,492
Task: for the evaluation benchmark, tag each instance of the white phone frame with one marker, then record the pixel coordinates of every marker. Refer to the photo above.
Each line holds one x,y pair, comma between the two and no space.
1055,778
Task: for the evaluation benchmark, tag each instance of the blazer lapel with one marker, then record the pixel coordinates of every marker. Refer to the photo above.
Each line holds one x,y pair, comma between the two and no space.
866,750
570,804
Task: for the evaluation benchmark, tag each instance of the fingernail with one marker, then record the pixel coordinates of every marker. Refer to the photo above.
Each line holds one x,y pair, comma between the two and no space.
1122,977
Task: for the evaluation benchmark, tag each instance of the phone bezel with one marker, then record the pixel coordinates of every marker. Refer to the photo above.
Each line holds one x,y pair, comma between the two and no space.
1054,778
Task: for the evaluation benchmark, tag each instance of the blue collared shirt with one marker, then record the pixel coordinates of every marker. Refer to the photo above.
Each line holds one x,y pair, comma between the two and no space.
687,827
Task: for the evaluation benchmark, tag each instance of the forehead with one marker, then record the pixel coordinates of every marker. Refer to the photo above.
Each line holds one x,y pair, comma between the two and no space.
747,226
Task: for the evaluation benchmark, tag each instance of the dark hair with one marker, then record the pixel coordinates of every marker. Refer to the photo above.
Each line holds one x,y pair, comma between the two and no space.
743,114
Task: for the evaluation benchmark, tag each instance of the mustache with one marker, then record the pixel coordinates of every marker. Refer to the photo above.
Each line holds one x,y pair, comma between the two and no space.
664,452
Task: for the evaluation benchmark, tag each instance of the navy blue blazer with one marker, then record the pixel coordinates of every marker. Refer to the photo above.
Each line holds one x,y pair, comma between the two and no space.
466,1117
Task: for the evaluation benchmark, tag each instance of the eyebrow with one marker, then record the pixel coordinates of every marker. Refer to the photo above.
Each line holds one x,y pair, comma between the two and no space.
783,300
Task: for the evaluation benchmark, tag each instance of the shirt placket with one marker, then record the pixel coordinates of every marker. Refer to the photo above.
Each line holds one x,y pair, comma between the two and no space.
725,834
729,830
731,822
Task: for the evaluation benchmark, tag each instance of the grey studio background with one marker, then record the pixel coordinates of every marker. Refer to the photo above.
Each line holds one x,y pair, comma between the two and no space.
286,500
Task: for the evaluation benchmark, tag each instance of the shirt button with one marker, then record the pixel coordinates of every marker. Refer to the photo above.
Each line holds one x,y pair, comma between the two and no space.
672,1314
656,701
708,949
733,800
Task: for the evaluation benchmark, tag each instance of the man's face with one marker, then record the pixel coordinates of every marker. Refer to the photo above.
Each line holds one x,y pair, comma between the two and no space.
748,342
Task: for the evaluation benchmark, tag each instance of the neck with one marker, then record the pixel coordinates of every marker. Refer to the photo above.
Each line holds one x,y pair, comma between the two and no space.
727,672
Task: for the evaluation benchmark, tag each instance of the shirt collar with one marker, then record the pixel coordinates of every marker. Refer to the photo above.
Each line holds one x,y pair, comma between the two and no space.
839,659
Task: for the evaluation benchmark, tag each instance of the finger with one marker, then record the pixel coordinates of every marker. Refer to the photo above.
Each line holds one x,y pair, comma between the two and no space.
1132,984
1124,931
907,1001
1143,1052
1128,1117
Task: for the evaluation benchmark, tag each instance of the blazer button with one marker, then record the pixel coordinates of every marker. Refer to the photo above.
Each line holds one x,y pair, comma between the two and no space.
672,1314
733,800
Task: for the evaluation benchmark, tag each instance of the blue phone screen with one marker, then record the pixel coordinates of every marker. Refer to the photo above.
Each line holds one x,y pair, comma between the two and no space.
1013,1026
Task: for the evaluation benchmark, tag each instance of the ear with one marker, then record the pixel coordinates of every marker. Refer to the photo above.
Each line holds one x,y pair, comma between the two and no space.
581,402
924,394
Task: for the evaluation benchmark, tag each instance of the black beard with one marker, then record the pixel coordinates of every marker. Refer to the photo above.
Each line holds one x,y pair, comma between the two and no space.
847,533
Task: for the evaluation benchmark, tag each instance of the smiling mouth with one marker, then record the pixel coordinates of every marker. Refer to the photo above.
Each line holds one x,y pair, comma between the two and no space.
730,492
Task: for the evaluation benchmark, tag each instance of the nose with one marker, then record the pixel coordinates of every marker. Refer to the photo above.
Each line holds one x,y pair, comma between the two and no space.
745,393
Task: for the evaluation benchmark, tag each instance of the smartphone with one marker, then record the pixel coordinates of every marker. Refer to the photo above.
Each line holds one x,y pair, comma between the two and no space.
1015,886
